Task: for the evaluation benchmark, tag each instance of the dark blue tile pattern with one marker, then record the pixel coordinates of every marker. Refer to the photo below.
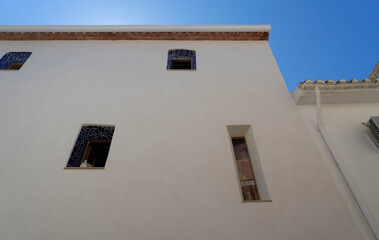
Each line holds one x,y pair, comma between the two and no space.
13,57
86,134
181,54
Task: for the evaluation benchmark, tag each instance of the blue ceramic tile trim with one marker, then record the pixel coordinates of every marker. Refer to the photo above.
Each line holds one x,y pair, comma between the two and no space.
181,54
13,57
86,134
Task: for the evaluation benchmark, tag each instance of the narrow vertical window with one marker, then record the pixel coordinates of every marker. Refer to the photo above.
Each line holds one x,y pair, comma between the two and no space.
249,171
245,169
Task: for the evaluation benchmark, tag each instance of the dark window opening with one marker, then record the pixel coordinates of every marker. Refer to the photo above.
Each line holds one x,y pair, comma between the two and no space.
181,64
96,153
91,147
181,59
15,66
245,170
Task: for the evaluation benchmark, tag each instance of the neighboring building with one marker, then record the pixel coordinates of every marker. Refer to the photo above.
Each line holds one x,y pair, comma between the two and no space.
375,73
341,130
164,132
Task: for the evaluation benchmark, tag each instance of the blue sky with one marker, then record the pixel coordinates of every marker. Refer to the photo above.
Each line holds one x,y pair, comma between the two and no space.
310,39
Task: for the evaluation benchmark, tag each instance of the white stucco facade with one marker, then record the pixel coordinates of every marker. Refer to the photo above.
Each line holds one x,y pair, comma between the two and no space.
170,172
344,113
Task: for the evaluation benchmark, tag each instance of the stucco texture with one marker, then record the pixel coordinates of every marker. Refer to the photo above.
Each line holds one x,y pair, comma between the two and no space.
170,171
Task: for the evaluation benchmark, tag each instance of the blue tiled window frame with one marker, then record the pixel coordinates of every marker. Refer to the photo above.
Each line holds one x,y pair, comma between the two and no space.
184,54
86,134
10,58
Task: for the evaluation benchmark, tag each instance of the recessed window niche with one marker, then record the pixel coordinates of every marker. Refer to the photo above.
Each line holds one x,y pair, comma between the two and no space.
252,184
91,147
14,60
181,59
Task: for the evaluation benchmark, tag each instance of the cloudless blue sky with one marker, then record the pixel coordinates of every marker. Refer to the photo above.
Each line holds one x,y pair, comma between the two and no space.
310,39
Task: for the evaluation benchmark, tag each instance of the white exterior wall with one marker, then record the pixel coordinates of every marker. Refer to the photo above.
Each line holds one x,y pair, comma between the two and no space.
359,155
170,171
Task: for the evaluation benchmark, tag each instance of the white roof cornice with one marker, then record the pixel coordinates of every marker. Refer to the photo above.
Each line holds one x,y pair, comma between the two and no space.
135,28
334,92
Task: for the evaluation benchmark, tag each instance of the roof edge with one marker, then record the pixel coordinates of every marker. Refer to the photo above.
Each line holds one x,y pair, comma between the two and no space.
135,28
337,92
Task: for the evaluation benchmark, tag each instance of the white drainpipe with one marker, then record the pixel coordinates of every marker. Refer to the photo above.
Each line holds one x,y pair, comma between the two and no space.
328,143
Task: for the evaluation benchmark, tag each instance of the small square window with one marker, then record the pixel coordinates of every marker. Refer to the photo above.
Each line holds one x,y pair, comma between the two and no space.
13,60
91,147
181,59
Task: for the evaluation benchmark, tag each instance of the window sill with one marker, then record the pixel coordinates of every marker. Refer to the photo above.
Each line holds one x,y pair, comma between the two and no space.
180,70
84,168
253,201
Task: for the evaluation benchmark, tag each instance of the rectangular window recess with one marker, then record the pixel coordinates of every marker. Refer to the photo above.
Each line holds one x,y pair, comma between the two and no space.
181,64
247,179
96,153
14,60
91,147
181,59
249,172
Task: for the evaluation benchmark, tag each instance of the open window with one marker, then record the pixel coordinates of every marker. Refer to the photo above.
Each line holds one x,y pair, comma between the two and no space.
96,153
14,60
181,59
91,147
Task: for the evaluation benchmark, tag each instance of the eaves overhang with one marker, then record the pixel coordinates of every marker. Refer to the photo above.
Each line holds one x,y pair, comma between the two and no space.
337,92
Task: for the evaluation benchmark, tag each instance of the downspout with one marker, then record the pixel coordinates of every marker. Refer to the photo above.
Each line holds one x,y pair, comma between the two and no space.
328,143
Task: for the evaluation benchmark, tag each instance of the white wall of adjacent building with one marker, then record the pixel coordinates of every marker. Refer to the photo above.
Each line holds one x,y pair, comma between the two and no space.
170,172
358,154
